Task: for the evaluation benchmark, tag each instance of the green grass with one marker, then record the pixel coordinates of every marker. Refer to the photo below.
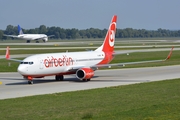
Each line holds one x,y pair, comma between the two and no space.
8,66
145,101
38,51
90,43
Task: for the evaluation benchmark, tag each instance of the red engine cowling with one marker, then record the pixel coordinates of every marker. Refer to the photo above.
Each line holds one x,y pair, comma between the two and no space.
84,73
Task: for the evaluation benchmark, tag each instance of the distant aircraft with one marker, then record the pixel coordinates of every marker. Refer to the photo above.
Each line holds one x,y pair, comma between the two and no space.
30,37
82,64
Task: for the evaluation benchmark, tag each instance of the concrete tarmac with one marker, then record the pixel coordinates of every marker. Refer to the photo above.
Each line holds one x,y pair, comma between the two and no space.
12,85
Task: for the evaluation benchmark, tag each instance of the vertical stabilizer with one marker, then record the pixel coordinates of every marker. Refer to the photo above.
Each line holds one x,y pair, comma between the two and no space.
108,44
7,53
20,30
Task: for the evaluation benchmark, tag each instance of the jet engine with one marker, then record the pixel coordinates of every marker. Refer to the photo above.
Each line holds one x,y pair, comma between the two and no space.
84,73
45,39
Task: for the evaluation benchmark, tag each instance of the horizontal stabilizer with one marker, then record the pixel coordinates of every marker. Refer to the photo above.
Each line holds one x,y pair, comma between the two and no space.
8,55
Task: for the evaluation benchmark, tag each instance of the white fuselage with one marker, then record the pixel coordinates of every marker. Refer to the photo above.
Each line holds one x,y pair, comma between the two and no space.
57,63
33,36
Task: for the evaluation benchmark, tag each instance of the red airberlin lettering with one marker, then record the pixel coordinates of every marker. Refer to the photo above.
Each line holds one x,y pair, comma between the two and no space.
57,62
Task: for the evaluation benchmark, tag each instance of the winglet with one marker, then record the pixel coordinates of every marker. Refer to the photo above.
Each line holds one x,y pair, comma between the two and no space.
170,53
7,53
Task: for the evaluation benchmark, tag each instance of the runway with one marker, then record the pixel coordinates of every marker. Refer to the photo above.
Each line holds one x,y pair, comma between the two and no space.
83,42
12,85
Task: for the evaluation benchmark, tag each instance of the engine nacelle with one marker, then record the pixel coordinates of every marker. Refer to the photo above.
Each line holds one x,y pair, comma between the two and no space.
84,73
45,39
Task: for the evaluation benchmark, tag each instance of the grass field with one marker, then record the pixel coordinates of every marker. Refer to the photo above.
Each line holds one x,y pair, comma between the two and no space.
145,101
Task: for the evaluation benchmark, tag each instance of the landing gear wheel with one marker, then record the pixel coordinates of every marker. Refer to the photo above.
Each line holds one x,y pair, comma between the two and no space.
28,41
30,82
59,77
85,80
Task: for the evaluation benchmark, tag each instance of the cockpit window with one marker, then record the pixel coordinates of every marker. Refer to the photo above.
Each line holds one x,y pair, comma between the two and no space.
30,63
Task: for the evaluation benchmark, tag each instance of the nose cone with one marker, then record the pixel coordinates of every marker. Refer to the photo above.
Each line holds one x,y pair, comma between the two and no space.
22,69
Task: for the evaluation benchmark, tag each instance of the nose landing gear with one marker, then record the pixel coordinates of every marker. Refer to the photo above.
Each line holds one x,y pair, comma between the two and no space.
30,82
59,77
30,79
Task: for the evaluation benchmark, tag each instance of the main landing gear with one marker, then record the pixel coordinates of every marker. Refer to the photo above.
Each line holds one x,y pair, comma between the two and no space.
85,80
30,79
59,77
30,82
28,41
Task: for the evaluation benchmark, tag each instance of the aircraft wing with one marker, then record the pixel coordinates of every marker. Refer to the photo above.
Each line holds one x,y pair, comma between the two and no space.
128,63
36,38
41,37
134,51
74,68
14,36
95,67
50,36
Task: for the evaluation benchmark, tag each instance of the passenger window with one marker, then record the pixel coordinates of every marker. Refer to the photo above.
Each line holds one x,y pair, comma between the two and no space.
30,63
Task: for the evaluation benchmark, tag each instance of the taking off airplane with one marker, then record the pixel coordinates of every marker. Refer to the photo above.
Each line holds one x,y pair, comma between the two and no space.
82,64
30,37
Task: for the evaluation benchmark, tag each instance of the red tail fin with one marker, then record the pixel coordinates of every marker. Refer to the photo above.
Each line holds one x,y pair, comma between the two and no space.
7,53
170,53
108,45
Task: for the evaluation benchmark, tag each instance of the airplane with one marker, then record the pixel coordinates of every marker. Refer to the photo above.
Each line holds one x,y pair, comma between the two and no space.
30,37
82,64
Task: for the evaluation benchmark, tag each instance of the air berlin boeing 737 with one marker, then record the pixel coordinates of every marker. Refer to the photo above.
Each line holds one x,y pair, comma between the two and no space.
82,64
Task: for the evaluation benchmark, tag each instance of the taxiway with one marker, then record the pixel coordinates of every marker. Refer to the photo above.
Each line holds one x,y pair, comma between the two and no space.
13,85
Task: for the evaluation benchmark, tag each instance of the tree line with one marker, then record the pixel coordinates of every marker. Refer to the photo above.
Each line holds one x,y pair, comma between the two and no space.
61,33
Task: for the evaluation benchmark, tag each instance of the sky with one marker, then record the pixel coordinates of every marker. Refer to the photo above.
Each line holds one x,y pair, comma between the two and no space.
84,14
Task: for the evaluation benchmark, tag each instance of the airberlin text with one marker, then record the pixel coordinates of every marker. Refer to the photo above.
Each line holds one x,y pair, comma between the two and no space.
57,62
